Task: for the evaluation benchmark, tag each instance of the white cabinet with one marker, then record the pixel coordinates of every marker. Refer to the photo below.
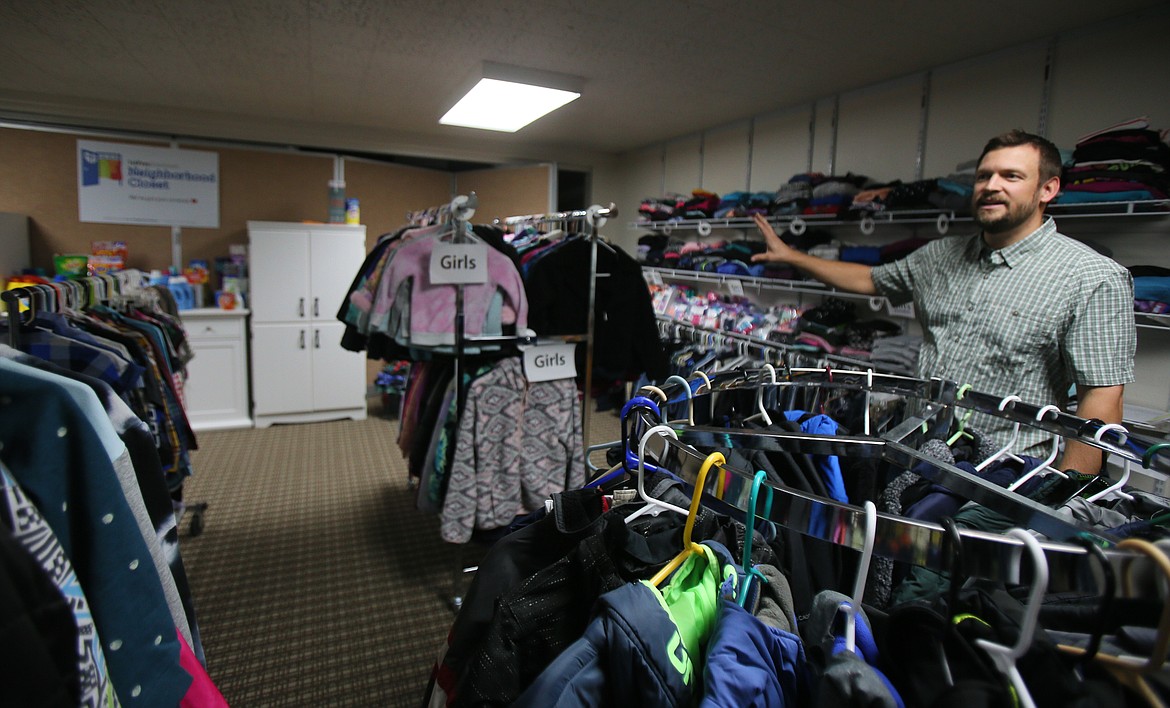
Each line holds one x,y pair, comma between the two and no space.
299,274
216,391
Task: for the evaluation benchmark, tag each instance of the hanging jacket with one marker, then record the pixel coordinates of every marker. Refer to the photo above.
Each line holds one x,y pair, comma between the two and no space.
642,646
749,663
828,465
518,442
844,677
626,340
631,654
432,306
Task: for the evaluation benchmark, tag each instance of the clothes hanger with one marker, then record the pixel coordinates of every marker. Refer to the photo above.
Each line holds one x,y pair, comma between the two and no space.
689,546
686,386
706,384
1104,609
653,506
1127,670
761,413
1005,657
1004,451
852,606
953,553
750,569
623,467
1047,463
961,422
662,398
1116,487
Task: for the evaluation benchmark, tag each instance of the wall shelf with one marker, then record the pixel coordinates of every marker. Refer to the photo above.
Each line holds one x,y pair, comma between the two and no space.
941,218
734,283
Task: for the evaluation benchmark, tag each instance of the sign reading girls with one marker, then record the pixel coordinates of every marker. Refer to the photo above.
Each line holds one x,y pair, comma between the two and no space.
135,184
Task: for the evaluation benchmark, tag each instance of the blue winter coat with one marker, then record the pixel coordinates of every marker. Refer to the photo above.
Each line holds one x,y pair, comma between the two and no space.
752,664
631,654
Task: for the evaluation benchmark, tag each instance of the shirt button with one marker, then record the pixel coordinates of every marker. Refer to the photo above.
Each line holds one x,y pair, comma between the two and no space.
986,276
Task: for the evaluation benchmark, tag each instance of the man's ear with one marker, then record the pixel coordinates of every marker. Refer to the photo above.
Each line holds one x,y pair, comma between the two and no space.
1049,190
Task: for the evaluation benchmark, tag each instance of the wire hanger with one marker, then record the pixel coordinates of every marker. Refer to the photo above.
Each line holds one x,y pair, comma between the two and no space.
1005,657
653,506
689,546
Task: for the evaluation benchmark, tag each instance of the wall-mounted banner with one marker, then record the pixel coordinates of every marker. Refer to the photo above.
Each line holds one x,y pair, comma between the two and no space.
134,184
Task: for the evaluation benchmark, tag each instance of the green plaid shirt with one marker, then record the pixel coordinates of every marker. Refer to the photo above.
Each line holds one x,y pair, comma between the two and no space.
1031,319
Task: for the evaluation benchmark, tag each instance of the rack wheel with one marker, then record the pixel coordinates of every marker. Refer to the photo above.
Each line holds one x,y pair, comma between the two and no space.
196,527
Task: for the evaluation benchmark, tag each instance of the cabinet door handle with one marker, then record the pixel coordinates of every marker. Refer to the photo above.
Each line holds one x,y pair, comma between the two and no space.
316,303
316,339
301,342
301,308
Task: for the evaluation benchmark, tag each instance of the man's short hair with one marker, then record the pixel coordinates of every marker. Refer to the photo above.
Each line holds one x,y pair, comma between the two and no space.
1050,162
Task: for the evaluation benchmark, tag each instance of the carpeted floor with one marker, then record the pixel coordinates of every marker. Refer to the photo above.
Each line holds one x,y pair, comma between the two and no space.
316,582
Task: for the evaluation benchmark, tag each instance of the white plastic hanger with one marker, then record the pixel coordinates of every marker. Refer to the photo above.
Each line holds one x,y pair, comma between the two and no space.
653,506
1006,449
1116,487
690,419
862,574
1005,657
1047,463
761,413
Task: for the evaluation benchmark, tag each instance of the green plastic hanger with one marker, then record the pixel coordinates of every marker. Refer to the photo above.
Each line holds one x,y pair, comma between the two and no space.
749,568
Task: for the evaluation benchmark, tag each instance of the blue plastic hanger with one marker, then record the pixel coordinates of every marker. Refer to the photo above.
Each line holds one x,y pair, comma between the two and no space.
749,568
629,459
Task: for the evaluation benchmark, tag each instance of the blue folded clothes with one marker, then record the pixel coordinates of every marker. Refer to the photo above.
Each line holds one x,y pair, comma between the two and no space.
869,255
1149,287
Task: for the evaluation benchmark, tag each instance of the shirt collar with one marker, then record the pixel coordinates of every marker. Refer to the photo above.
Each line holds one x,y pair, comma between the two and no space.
1015,254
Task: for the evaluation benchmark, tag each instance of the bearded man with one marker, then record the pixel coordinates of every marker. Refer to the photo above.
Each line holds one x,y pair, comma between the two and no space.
1016,309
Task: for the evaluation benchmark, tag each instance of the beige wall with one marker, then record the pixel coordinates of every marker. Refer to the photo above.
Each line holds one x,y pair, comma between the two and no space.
508,191
254,185
877,134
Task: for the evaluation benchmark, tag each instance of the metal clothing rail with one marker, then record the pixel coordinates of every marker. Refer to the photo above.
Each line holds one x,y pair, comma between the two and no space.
700,334
985,554
590,215
939,395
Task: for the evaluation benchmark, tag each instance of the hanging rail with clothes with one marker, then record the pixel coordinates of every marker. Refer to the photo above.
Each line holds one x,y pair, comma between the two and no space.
537,639
593,218
892,447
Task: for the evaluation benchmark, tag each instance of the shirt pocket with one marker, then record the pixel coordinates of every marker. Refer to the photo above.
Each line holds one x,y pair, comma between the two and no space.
1023,341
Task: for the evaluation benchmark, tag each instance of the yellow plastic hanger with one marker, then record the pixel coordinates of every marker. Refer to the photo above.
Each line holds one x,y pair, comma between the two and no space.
689,546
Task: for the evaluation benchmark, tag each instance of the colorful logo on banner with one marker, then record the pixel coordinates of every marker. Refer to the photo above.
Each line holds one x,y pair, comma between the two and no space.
99,166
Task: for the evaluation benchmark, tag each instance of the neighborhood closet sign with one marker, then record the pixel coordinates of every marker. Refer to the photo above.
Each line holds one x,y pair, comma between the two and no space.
134,184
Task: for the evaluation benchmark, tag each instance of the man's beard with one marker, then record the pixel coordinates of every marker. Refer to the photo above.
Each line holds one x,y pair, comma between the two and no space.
1013,215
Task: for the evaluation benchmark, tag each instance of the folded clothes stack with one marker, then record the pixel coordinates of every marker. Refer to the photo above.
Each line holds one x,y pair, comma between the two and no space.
1122,163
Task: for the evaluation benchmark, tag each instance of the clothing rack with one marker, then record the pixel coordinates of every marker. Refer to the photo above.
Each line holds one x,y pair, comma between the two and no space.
767,349
985,554
594,217
78,292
